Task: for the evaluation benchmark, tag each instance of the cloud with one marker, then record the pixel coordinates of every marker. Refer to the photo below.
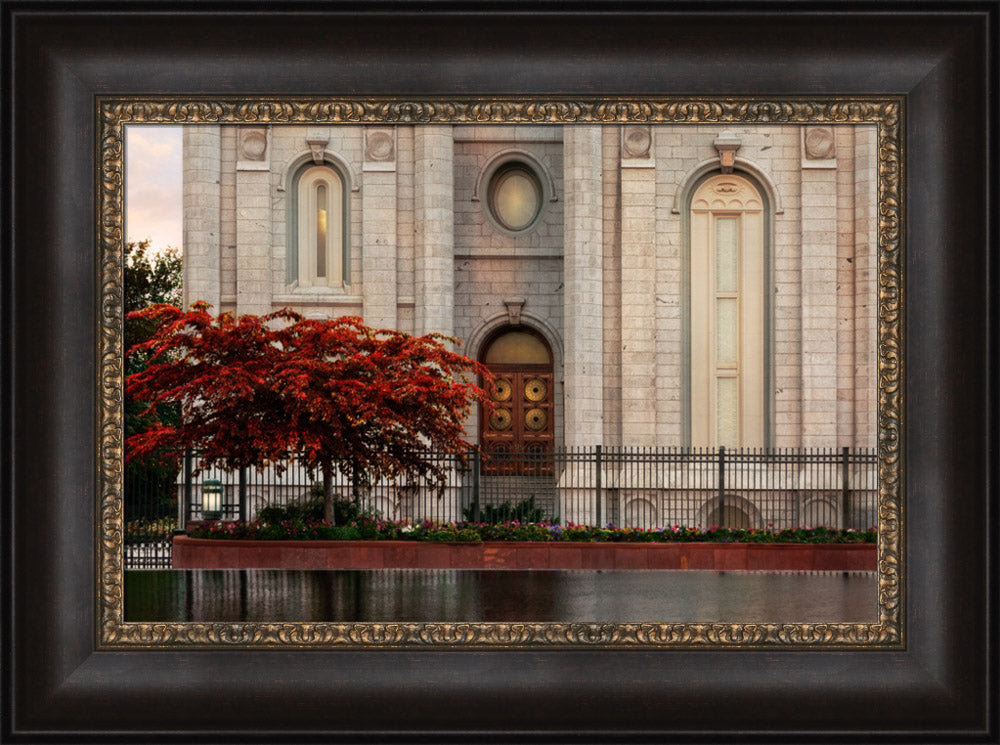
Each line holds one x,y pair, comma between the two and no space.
153,187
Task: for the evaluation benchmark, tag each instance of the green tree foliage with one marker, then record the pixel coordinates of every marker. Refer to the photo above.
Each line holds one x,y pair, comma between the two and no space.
149,278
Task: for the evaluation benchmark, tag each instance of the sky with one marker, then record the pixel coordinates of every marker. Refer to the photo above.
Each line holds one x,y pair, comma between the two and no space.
153,200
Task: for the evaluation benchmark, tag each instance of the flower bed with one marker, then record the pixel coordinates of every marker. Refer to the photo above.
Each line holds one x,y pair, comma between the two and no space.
376,544
376,529
149,531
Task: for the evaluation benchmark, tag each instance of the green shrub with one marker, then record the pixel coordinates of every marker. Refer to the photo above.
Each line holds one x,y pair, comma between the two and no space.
451,533
469,535
524,511
342,533
515,531
345,511
310,509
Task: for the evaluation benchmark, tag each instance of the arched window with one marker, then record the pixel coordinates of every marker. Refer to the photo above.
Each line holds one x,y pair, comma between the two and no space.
317,218
727,316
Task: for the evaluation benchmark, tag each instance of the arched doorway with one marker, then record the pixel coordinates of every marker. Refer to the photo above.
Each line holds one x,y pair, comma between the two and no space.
522,424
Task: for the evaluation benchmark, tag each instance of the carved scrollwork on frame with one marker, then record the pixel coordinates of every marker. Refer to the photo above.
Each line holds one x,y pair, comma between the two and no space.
111,372
501,110
885,113
500,635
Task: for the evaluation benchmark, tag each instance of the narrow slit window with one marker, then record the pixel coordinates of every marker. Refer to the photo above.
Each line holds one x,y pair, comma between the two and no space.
321,210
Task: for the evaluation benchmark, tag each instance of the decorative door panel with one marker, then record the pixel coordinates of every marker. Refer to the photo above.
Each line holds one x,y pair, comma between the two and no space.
518,433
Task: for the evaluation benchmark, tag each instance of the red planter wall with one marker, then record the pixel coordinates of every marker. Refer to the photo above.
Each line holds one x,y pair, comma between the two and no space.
201,553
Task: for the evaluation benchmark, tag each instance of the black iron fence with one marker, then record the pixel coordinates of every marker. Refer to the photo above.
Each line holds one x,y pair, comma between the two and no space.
150,508
621,486
624,486
156,554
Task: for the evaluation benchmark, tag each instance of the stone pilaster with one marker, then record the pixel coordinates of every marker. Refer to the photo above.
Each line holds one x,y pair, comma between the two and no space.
202,166
847,392
253,221
638,294
583,278
434,219
378,228
866,286
819,290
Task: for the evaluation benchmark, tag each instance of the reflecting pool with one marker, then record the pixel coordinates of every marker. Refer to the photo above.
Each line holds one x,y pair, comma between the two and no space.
427,595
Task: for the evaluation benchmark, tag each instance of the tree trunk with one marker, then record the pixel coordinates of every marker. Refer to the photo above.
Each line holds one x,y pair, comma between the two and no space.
328,493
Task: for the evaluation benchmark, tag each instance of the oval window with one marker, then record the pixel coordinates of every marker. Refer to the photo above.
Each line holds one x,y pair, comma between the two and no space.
515,197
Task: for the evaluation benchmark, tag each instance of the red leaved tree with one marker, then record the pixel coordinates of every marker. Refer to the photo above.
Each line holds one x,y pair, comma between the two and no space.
338,395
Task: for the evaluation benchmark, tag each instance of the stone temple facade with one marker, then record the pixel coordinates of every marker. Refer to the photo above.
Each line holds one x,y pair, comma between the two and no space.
664,285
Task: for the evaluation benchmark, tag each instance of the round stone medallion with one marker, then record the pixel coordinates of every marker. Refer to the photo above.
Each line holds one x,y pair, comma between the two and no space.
253,145
820,144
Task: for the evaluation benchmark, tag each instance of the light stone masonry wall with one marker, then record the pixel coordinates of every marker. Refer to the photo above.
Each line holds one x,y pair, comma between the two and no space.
612,310
671,354
666,301
584,298
253,236
405,229
865,285
227,217
378,249
434,209
482,284
782,162
201,173
819,307
378,237
603,272
846,324
638,299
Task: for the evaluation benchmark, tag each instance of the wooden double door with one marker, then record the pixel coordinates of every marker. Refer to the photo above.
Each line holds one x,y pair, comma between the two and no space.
518,433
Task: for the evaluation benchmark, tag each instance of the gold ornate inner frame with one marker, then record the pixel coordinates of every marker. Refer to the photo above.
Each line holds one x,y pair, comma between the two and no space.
887,113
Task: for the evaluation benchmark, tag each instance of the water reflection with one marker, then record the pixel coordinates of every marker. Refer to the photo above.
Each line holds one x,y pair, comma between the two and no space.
425,595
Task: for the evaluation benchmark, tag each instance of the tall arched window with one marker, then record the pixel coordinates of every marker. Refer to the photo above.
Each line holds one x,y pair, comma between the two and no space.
728,325
317,229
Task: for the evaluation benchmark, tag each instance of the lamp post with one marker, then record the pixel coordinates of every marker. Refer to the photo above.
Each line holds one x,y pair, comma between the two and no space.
211,499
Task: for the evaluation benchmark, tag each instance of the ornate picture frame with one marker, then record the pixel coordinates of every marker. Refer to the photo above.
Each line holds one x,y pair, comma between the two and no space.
74,670
885,113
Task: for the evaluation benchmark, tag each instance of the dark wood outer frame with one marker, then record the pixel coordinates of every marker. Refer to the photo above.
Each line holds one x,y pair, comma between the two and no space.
58,58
